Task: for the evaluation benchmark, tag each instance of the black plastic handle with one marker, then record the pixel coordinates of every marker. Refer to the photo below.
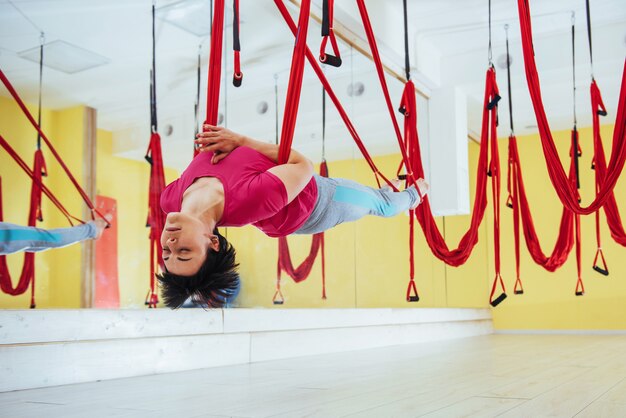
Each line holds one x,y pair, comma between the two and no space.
579,293
330,60
148,159
402,110
493,102
519,292
601,270
415,298
498,300
237,79
401,176
278,302
602,112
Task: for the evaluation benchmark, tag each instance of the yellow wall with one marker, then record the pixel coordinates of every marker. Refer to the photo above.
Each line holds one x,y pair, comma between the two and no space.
549,301
58,272
366,262
127,181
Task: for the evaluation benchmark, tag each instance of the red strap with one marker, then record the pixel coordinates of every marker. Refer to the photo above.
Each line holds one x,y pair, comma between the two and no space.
610,207
156,217
37,180
331,36
26,112
215,66
237,74
559,179
27,276
331,94
294,86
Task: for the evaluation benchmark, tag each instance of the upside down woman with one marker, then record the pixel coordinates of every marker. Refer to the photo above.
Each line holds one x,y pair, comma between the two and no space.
236,181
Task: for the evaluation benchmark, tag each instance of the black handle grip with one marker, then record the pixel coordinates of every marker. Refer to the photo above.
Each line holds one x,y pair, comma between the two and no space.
33,306
601,270
278,302
602,112
413,299
237,79
498,300
494,102
579,293
593,166
330,60
402,110
401,176
509,205
519,292
148,159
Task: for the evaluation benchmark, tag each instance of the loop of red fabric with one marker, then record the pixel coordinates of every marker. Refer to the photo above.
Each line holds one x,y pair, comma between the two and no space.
156,217
303,271
567,194
521,211
611,211
27,276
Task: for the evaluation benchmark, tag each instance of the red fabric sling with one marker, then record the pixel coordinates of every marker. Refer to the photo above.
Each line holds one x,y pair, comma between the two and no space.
27,277
559,179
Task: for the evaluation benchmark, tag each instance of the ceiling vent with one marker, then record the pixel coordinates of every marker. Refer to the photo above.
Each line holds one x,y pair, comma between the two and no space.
65,57
190,16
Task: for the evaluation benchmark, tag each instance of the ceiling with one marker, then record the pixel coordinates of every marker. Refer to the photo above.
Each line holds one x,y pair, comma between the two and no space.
448,49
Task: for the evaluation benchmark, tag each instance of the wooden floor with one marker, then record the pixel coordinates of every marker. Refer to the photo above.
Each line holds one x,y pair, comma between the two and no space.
489,376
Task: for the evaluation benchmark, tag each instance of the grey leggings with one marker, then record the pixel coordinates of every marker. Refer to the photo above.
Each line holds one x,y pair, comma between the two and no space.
341,200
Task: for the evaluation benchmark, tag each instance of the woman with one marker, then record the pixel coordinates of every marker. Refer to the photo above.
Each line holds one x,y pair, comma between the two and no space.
236,181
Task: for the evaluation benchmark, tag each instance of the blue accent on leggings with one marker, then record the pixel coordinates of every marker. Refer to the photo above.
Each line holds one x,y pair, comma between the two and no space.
372,203
8,235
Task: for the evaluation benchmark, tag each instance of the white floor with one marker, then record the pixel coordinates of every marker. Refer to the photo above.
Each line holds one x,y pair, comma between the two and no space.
488,376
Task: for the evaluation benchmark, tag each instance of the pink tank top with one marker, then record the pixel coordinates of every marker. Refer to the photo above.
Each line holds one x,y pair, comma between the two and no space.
252,195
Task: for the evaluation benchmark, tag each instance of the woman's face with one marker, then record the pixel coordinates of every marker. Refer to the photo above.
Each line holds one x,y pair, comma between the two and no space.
185,241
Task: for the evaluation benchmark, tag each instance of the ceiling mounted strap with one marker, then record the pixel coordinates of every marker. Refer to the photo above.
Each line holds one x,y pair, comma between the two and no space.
407,64
42,39
237,74
489,52
329,33
153,107
588,10
508,79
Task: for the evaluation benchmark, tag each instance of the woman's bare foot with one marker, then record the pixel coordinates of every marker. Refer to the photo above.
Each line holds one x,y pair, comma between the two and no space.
423,188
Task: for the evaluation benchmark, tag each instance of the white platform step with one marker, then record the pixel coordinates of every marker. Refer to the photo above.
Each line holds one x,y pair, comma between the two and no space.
54,347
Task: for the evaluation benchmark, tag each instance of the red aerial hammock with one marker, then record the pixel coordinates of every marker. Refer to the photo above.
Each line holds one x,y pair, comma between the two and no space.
415,170
599,165
27,276
559,179
471,237
285,264
156,217
39,169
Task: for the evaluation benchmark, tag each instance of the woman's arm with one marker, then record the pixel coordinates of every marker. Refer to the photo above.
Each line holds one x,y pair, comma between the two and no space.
295,173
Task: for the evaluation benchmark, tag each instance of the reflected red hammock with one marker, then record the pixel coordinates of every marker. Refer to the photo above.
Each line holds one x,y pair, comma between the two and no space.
303,271
156,216
27,277
568,194
613,217
521,210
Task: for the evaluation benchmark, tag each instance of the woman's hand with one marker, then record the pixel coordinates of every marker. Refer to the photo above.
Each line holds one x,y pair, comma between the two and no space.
219,140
